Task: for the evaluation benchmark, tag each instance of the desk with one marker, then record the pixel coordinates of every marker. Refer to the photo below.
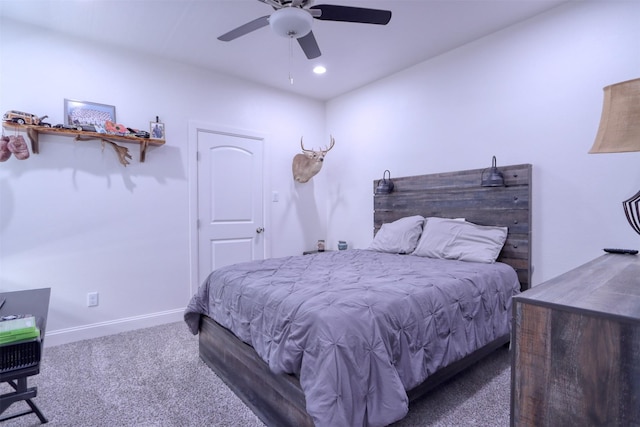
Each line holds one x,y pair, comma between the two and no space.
36,303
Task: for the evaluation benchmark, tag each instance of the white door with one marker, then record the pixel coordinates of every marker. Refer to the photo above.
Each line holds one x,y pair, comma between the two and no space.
230,200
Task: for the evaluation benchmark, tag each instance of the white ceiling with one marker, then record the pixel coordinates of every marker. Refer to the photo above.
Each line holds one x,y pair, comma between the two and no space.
354,54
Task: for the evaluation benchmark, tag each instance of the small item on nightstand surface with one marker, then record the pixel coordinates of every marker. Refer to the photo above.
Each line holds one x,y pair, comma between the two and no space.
342,245
621,251
320,245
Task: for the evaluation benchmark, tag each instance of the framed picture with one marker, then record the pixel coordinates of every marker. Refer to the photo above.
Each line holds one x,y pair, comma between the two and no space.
157,130
87,113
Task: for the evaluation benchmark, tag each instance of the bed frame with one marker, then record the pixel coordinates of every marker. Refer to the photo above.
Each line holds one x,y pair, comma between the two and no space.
278,400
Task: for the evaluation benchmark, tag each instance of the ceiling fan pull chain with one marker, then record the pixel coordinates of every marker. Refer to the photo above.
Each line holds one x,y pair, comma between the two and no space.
290,59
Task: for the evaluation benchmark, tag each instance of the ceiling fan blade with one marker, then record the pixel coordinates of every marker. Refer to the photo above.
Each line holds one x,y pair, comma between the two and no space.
272,3
362,15
309,45
245,29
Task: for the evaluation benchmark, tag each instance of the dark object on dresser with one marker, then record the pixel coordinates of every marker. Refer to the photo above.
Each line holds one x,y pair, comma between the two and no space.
621,251
576,358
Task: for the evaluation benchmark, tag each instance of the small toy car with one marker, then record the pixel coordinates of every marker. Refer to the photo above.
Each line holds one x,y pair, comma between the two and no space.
22,118
47,125
139,133
86,128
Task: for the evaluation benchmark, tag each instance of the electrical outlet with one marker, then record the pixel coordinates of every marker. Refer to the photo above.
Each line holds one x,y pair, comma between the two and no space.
92,299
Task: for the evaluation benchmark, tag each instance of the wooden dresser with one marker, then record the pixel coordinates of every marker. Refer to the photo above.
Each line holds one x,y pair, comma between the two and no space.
576,347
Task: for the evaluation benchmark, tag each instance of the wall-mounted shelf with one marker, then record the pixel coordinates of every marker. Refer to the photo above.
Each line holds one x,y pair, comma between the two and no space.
33,132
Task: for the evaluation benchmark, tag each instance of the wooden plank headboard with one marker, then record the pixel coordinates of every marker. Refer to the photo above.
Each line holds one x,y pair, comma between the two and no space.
459,195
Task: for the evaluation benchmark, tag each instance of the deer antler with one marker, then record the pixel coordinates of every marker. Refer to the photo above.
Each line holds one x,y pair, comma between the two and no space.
122,152
333,141
302,146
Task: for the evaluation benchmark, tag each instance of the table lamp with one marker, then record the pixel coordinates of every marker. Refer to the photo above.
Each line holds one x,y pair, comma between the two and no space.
619,132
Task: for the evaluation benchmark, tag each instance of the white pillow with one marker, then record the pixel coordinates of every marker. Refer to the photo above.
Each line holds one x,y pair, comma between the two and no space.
460,240
398,237
427,218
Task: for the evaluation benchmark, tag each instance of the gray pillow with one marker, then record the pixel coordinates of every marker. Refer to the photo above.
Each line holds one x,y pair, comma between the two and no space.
398,237
460,240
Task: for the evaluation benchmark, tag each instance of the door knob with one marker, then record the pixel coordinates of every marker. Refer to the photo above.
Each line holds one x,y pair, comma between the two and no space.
259,230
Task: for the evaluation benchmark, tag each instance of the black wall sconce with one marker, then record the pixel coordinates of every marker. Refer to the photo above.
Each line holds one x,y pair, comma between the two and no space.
385,186
494,178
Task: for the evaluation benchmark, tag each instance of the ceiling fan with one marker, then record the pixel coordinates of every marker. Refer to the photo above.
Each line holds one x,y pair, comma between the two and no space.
293,19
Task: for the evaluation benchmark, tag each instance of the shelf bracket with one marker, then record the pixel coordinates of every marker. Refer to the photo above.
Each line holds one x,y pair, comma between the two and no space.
143,150
33,137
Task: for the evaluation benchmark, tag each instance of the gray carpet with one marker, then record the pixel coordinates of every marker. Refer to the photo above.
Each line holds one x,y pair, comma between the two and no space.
154,377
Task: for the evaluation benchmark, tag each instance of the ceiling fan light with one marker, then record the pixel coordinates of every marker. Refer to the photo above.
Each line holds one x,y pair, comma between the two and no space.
291,22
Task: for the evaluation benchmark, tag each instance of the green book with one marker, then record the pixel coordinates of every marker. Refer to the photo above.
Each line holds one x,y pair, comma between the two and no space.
18,328
8,337
10,323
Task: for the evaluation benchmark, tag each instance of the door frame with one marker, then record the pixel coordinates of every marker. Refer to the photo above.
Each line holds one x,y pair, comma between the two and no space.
192,168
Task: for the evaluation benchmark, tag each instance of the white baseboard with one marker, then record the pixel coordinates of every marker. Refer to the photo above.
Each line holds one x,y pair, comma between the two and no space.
95,330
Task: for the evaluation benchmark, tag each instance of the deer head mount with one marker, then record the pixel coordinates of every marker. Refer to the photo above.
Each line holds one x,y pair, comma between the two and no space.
309,163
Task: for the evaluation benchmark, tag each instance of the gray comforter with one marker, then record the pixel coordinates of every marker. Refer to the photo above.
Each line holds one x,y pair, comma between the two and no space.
358,327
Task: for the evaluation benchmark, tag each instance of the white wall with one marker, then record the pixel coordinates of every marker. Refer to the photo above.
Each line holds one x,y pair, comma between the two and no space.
529,94
74,219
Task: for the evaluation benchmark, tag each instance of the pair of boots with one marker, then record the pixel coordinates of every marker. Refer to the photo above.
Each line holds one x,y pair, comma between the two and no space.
13,144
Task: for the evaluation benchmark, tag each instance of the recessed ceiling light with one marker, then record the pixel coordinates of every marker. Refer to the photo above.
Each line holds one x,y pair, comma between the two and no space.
319,69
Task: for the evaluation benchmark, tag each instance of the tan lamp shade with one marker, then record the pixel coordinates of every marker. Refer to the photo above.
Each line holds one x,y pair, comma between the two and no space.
619,130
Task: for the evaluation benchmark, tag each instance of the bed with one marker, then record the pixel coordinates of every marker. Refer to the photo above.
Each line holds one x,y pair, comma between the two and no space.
311,365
